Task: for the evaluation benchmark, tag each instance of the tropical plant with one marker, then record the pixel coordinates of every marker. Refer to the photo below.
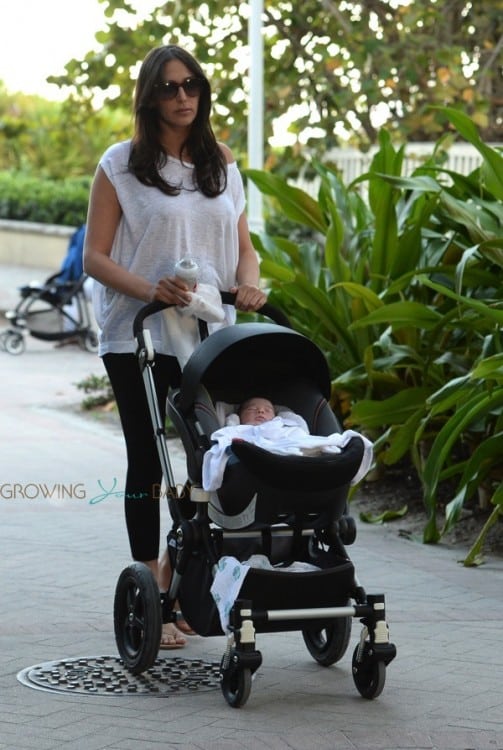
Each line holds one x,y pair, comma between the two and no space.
404,294
473,405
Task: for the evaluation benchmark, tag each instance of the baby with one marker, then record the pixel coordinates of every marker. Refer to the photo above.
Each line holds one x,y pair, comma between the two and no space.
255,411
283,433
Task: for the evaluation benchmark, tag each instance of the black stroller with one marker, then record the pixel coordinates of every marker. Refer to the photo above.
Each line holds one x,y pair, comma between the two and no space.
57,309
286,508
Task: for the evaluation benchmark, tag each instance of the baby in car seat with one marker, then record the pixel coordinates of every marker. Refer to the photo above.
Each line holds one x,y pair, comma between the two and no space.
282,432
256,411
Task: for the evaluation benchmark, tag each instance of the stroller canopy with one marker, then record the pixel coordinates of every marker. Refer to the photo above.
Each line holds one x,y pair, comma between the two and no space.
250,359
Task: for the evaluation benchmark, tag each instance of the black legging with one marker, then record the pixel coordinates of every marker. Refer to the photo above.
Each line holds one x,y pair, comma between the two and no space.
144,472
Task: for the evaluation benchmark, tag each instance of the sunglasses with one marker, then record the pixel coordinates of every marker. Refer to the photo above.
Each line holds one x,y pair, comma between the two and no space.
169,89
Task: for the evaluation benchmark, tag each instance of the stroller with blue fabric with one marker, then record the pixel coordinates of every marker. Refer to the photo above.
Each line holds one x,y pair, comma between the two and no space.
283,508
56,309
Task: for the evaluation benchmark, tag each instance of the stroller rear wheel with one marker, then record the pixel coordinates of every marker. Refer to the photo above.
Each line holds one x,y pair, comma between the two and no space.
328,645
137,617
91,342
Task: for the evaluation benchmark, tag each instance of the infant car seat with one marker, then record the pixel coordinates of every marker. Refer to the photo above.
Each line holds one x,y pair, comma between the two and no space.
261,487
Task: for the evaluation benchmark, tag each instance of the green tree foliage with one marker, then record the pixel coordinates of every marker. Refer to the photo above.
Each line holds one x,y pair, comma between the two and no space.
55,140
331,67
336,67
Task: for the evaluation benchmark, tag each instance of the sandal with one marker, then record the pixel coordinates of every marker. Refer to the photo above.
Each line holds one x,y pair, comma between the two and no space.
181,623
171,637
184,626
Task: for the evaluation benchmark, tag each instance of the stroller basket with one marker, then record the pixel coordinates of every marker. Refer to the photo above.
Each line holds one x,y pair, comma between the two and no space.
269,590
44,323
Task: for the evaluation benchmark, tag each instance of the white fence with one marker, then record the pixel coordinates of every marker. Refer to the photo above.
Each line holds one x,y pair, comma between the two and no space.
461,157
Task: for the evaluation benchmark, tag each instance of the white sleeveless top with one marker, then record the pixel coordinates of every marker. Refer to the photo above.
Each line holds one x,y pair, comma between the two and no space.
155,231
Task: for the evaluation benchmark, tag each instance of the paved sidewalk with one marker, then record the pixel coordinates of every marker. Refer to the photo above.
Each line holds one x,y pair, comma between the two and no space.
60,561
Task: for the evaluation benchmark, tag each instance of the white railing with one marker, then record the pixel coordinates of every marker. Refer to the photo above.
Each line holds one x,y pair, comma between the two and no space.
461,157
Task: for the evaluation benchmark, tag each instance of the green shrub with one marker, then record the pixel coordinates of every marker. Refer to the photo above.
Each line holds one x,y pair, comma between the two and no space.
98,392
26,198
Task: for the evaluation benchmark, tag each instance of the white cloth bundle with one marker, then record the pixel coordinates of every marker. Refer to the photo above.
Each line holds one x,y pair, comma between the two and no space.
180,323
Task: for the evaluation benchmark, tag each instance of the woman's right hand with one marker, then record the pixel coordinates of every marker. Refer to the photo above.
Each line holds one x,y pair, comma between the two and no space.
171,290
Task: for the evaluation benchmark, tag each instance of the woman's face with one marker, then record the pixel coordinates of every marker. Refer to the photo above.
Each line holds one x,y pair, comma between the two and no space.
178,105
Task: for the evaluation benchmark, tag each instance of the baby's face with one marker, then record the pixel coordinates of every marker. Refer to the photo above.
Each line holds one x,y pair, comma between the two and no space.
256,411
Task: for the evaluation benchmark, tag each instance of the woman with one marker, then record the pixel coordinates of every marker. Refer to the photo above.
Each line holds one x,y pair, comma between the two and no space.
170,191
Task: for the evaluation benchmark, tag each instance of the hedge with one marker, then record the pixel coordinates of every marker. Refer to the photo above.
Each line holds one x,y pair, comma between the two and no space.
25,198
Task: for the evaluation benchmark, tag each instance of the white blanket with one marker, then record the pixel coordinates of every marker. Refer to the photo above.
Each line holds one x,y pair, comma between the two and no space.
180,323
282,435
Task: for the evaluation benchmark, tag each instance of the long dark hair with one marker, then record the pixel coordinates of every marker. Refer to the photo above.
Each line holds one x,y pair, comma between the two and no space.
147,155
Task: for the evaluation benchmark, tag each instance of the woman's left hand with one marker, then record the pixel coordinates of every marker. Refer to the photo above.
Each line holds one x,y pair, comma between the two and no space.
248,297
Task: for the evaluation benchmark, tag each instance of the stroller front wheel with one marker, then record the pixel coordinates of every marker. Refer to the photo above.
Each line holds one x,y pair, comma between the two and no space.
369,674
137,617
14,342
236,686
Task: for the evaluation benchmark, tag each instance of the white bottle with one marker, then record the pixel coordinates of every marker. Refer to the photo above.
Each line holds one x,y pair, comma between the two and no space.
187,270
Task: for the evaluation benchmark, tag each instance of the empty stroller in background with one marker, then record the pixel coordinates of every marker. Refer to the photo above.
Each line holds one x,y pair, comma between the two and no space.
286,509
56,310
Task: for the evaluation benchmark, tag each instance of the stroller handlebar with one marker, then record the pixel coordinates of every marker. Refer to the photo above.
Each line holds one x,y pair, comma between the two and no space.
267,310
228,298
145,312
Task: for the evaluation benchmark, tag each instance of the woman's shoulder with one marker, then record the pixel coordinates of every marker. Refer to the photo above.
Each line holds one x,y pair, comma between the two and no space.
117,151
233,172
115,159
227,153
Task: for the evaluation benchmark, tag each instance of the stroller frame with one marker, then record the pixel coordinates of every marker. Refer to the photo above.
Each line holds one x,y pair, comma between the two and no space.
43,312
140,611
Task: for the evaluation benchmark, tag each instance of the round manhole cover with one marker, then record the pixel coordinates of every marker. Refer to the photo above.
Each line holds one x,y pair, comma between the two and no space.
107,675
